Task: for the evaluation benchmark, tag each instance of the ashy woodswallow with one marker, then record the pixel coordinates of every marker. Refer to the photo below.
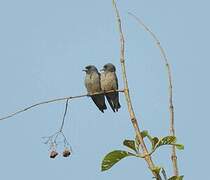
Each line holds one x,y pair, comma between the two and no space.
109,82
93,85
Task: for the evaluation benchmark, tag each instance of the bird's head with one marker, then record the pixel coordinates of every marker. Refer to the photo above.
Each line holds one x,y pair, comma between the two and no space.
109,67
90,69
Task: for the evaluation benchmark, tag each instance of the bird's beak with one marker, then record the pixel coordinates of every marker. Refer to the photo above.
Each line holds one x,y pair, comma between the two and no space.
84,70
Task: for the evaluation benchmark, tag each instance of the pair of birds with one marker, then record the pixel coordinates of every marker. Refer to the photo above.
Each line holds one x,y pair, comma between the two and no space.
102,82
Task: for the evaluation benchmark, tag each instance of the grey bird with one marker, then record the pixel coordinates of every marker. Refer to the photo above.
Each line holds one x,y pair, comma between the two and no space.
109,82
93,85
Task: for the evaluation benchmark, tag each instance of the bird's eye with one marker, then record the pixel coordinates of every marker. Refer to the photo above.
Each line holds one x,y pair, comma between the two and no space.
87,67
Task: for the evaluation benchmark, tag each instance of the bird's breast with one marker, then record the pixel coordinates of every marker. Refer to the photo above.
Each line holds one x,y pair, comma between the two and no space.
92,83
108,81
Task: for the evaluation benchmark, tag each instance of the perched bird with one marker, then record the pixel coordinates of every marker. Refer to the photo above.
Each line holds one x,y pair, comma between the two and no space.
93,85
109,82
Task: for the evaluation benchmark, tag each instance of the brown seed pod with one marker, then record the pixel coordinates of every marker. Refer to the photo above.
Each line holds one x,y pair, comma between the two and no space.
66,153
53,154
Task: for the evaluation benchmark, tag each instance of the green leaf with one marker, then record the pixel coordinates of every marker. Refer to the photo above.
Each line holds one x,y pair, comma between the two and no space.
156,169
168,140
176,178
130,144
155,140
114,157
179,146
144,134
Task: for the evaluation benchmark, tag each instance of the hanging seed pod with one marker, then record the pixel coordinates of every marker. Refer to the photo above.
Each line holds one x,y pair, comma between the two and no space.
66,152
53,154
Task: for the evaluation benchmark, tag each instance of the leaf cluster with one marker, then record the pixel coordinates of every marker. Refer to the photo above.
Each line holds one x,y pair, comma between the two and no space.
115,156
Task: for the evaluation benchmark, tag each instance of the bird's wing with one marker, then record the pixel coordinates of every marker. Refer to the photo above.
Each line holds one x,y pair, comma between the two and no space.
116,97
109,97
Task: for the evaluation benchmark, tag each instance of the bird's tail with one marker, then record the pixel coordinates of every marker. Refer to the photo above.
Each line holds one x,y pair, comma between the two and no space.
99,101
117,105
113,100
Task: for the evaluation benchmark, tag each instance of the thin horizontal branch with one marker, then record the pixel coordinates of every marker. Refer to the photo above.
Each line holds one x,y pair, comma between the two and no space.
54,100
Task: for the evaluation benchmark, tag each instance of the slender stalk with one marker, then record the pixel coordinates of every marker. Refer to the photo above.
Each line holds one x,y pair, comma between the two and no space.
127,95
171,107
64,115
52,101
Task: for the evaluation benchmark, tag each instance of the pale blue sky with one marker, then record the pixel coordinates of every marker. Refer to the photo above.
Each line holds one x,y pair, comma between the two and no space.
44,46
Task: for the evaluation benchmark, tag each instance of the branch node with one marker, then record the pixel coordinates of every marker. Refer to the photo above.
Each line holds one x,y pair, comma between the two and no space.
126,90
173,157
122,60
133,119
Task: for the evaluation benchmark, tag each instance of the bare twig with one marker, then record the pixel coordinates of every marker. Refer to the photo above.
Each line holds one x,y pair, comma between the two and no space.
64,115
127,96
171,107
52,101
52,139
